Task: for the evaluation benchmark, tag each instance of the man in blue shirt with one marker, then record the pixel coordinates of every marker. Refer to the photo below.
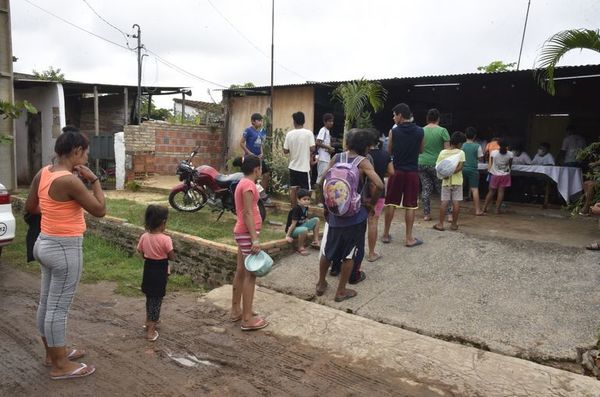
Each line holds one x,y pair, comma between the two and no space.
252,142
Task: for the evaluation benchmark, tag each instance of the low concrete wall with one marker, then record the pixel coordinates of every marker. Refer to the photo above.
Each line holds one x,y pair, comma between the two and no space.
206,262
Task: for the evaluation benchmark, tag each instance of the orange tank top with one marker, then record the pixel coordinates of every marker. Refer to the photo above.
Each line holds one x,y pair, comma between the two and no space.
59,218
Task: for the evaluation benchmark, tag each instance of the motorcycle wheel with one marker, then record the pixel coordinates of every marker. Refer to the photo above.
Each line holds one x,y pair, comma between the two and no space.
190,200
262,210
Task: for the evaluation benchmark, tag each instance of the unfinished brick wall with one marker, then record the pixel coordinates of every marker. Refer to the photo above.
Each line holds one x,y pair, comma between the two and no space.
157,147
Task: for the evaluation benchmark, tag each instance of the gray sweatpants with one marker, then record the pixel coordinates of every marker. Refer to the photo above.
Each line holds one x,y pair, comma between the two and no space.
61,262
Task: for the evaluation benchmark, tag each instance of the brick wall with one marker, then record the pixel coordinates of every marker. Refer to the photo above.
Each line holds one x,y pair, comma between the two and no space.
206,262
163,145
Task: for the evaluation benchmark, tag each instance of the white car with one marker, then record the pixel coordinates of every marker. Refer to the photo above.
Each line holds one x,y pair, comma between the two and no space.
7,220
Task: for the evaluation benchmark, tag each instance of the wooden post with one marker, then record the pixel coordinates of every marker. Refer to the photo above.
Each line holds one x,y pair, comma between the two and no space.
96,124
547,194
126,105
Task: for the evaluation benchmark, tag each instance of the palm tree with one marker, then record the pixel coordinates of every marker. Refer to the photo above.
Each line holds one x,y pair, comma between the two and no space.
558,45
359,97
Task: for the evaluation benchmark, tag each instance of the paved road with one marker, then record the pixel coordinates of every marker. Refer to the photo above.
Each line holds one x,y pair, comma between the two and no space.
522,298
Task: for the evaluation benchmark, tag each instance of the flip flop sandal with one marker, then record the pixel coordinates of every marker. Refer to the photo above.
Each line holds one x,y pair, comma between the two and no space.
438,228
454,227
416,243
303,252
155,337
593,247
315,246
74,354
77,373
349,294
320,291
386,240
260,324
362,277
238,318
377,257
427,218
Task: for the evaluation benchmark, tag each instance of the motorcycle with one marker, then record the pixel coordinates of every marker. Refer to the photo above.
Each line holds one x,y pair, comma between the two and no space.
203,186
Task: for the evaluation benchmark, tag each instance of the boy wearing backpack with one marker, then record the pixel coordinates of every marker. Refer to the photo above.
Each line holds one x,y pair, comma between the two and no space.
346,212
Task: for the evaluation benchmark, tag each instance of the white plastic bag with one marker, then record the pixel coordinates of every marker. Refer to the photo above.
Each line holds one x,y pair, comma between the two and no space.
446,167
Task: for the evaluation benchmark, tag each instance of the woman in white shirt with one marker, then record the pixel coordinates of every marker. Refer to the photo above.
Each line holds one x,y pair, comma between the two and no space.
499,167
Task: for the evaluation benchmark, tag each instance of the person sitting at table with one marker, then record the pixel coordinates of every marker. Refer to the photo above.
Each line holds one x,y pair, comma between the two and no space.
520,157
543,155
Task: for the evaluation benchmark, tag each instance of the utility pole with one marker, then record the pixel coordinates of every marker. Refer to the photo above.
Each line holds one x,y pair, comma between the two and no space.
270,111
138,103
523,38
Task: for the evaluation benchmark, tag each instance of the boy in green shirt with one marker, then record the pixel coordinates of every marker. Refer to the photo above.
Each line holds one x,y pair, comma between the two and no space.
473,154
452,189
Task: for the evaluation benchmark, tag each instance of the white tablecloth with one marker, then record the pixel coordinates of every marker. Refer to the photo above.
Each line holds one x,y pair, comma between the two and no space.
568,179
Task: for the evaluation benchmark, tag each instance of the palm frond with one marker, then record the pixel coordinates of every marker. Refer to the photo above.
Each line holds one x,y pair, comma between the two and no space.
556,47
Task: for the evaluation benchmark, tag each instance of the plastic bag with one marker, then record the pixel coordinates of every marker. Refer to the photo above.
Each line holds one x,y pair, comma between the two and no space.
446,167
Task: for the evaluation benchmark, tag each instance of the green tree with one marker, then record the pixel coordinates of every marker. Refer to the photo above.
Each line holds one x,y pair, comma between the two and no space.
497,66
155,113
50,74
360,99
240,88
10,110
556,47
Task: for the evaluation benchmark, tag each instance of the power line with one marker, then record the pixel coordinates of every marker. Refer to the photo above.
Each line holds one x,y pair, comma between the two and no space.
160,59
251,42
76,26
181,70
126,35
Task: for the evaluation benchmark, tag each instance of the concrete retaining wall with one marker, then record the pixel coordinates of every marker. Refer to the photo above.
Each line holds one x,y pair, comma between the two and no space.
206,262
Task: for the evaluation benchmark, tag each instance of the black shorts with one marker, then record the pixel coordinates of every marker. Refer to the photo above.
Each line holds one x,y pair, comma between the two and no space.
342,243
266,168
299,179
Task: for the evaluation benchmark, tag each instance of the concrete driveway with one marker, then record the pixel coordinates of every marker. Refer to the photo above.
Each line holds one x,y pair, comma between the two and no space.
519,296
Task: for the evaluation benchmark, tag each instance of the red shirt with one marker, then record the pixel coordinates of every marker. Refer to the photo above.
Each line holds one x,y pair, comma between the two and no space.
246,185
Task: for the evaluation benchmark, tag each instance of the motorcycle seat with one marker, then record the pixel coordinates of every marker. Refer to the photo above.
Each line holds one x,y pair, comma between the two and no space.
226,180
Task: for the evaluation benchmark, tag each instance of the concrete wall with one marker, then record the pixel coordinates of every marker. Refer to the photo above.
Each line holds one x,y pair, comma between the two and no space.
286,101
50,101
7,160
157,147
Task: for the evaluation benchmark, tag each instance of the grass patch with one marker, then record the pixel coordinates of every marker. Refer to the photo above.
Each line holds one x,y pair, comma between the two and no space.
202,223
102,261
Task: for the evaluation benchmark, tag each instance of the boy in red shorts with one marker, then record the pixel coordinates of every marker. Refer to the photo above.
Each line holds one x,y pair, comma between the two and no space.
404,144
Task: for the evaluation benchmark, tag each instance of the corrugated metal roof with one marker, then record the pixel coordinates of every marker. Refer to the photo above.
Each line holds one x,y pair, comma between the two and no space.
560,71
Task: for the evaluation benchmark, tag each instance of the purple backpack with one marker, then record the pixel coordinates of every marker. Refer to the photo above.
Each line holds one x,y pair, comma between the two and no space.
340,189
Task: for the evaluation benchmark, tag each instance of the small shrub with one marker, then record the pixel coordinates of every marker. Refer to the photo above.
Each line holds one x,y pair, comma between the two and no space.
134,186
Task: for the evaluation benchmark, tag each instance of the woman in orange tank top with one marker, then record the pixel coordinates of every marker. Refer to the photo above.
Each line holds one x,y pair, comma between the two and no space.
61,197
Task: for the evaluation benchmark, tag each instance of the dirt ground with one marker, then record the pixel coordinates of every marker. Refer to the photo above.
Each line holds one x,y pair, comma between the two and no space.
199,352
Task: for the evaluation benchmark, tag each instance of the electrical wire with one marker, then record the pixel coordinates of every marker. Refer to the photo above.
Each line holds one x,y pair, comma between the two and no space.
182,70
126,35
268,56
158,57
77,27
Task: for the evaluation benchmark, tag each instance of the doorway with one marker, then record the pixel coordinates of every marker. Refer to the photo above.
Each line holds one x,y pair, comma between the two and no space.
34,143
549,128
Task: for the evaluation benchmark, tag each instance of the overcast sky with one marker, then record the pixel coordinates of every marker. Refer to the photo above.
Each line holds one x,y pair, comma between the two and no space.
228,41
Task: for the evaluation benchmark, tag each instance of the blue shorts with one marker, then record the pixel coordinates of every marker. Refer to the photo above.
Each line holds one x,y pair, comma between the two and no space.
305,227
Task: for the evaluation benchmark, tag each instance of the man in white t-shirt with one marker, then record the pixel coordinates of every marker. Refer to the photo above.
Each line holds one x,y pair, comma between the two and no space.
324,152
570,146
299,144
543,155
